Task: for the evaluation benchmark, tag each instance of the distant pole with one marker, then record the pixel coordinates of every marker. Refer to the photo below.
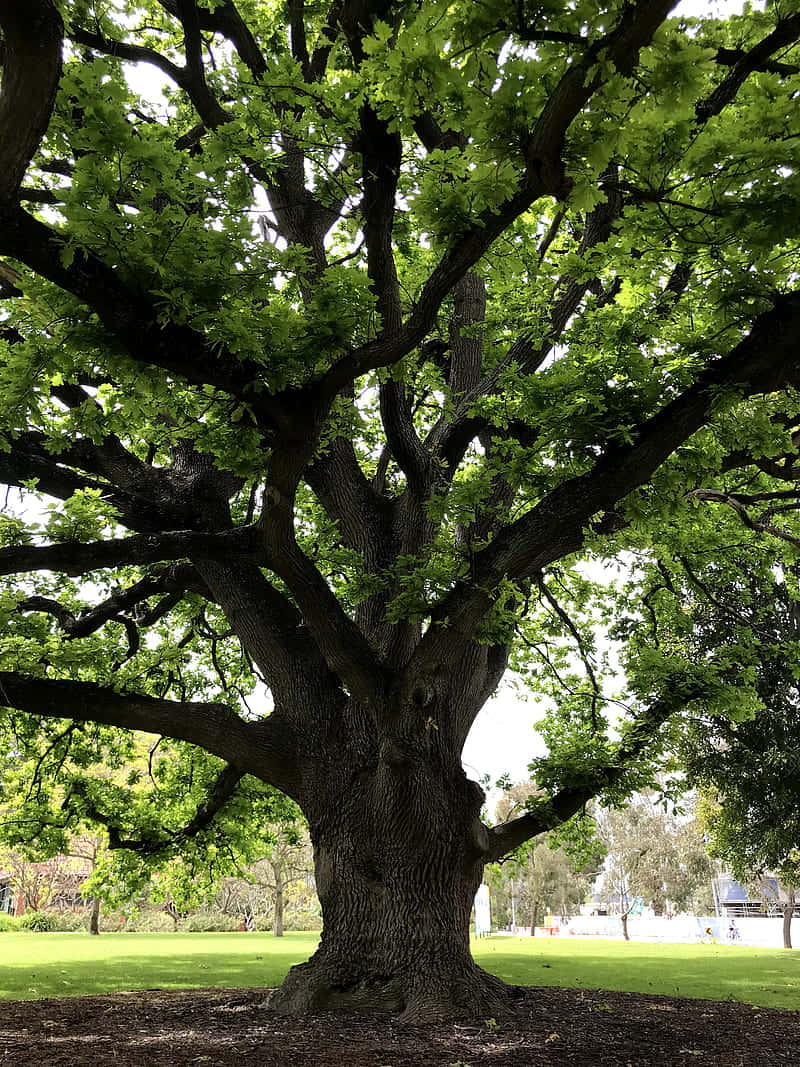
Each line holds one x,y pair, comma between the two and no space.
513,910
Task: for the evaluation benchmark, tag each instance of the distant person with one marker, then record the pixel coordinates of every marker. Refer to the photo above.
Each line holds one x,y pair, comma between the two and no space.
733,931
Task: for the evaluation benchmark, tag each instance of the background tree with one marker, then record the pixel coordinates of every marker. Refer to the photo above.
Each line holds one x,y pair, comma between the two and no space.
524,278
544,874
652,855
728,600
263,889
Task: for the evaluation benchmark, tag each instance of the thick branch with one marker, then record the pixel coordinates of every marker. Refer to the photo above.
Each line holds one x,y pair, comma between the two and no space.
32,34
75,558
544,176
226,21
128,316
785,33
764,361
637,738
214,727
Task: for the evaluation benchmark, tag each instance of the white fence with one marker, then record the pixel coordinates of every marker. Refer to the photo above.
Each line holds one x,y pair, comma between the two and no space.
760,932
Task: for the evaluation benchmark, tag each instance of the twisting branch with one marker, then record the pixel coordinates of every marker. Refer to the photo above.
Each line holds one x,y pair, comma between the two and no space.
637,737
173,579
752,524
221,791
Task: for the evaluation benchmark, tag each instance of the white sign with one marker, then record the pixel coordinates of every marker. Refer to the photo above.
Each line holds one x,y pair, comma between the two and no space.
483,915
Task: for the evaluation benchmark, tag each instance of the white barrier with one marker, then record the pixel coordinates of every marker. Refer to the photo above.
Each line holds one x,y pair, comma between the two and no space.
682,929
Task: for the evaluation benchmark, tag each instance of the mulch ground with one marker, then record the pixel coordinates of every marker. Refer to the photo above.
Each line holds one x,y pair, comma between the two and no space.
579,1028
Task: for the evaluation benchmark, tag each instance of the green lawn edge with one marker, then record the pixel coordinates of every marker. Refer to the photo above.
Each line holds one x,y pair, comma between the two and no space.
35,966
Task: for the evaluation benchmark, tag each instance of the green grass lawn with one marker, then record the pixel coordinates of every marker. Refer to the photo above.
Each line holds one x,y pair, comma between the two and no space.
53,965
768,977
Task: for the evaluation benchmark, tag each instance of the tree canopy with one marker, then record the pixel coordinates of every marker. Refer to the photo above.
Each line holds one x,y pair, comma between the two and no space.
323,370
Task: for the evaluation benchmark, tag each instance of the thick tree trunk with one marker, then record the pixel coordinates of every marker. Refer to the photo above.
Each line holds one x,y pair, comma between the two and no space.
788,912
398,853
94,916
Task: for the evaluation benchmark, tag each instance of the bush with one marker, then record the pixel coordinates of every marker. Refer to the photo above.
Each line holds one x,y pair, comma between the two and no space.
41,922
209,922
8,922
150,922
67,921
305,921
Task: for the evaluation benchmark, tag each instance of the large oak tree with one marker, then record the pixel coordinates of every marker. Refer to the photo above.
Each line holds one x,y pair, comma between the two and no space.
330,361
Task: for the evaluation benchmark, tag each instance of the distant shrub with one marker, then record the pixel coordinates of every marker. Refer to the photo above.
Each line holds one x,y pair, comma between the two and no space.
209,922
150,922
306,922
302,922
67,921
8,922
40,922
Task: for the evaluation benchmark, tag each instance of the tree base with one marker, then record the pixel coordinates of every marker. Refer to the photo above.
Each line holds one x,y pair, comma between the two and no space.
459,992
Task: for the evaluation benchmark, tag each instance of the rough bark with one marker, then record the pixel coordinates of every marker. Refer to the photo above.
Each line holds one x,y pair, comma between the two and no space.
398,852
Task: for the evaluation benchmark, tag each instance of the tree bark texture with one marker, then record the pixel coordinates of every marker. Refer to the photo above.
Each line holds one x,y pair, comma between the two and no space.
398,859
277,920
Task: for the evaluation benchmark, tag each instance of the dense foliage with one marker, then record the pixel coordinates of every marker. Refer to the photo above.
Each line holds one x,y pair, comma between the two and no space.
326,366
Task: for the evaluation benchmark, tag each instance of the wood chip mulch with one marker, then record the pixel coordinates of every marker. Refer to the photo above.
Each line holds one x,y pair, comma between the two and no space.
579,1028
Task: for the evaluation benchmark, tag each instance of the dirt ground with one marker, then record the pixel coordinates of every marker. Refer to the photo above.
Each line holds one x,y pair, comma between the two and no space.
549,1027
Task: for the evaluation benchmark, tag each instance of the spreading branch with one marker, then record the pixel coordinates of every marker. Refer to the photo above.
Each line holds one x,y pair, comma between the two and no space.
764,361
76,558
222,790
736,504
638,737
786,33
